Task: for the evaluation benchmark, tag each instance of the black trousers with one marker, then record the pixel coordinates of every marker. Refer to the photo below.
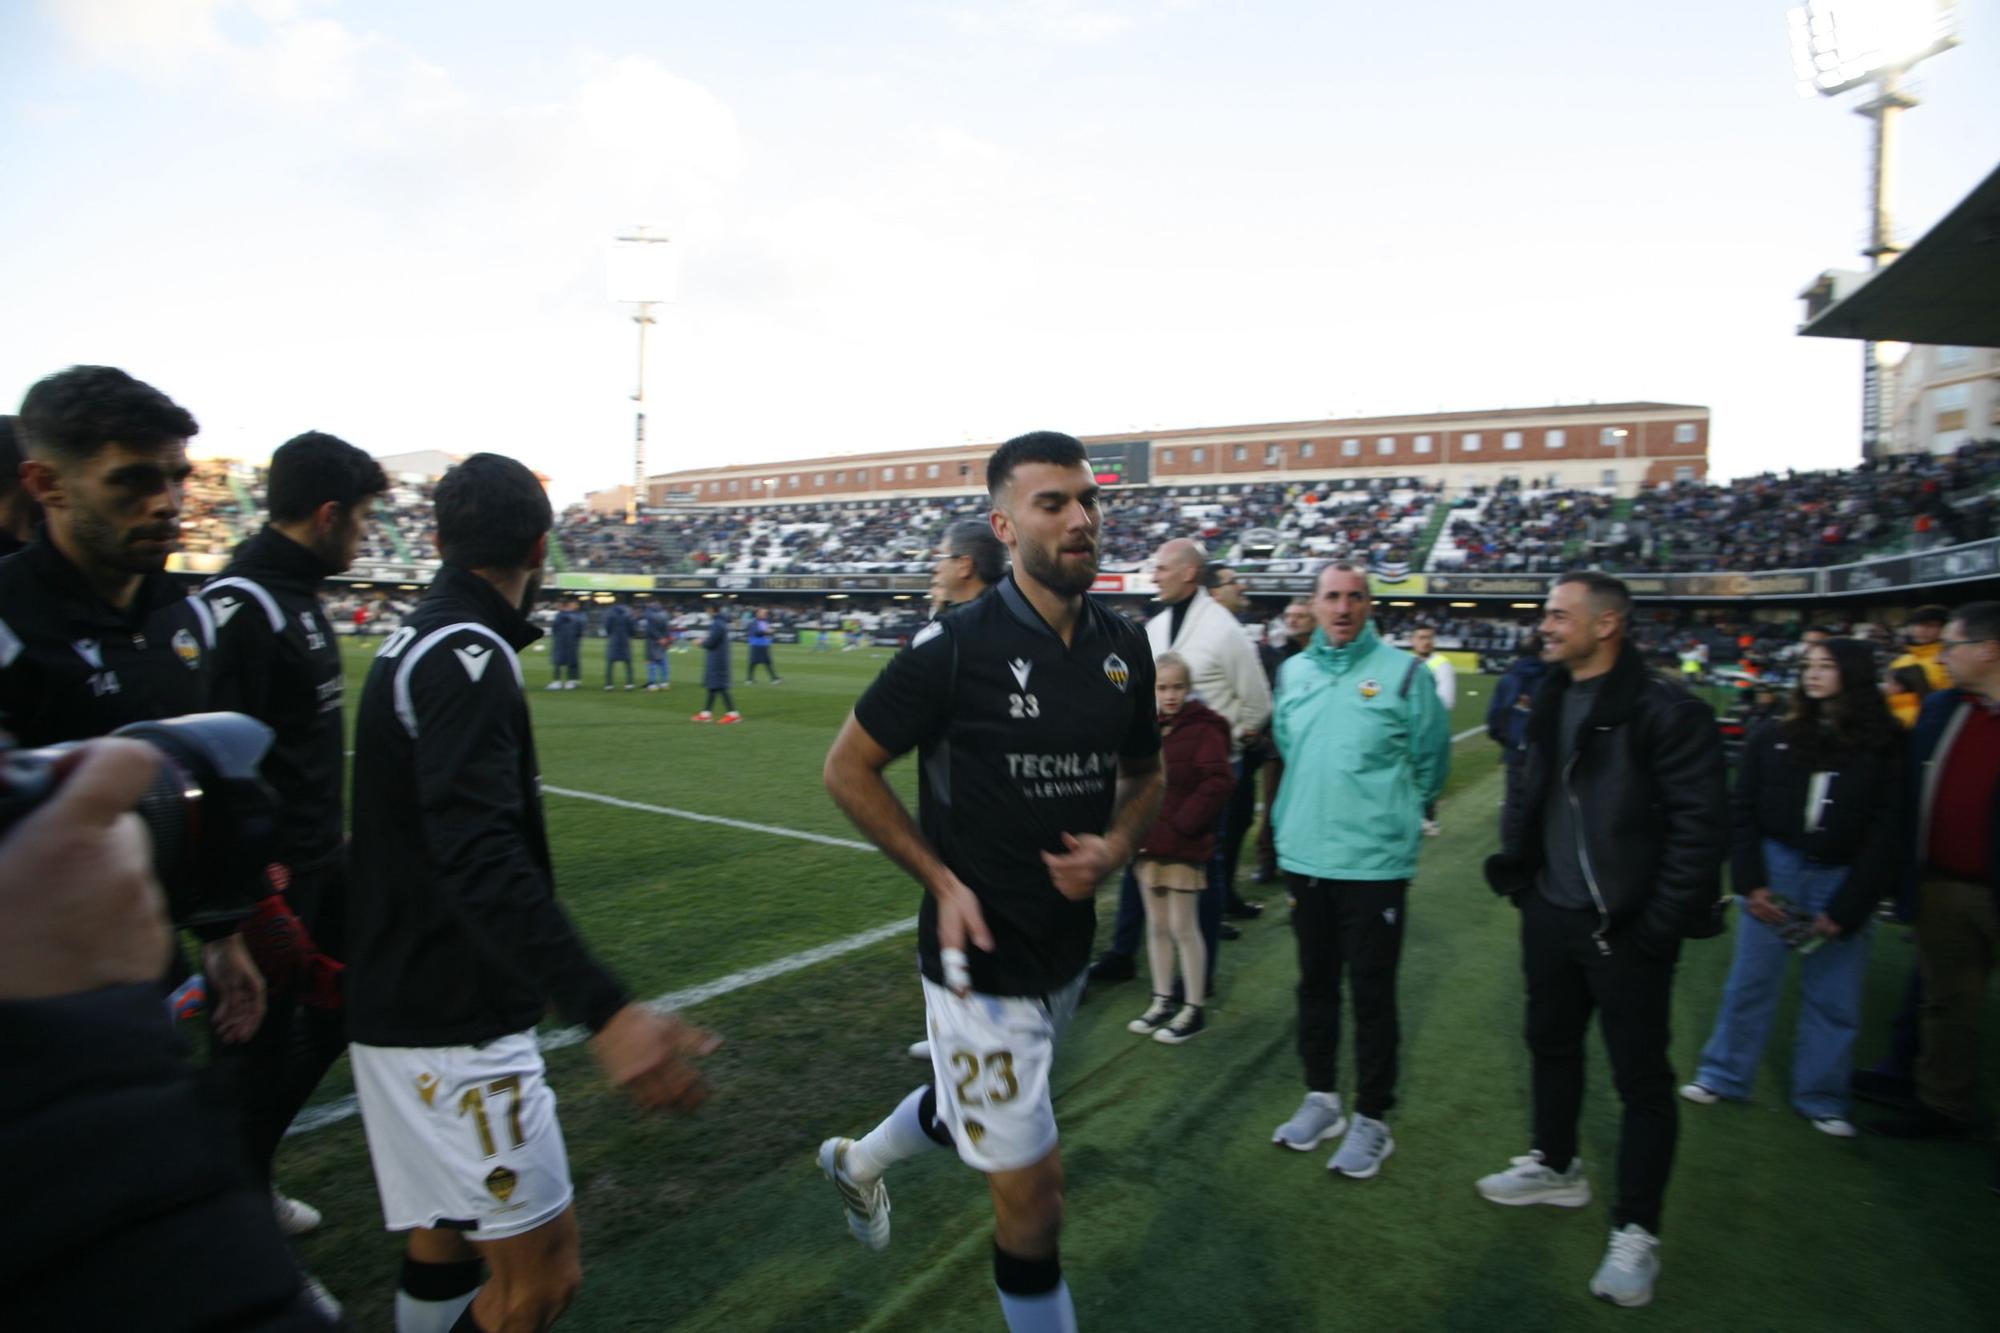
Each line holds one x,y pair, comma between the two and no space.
274,1073
1242,812
1569,978
1354,926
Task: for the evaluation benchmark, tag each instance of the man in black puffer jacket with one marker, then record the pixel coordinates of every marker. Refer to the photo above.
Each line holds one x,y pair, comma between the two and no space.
1612,846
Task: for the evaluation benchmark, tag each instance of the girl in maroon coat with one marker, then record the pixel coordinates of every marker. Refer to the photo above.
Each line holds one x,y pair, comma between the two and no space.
1172,865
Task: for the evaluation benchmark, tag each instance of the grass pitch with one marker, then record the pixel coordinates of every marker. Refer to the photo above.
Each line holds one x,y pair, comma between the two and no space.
1182,1214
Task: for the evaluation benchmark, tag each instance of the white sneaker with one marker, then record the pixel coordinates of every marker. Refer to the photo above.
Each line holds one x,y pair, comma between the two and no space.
1529,1180
574,685
920,1050
867,1205
1631,1263
1318,1119
1432,828
294,1217
1699,1094
321,1299
1840,1127
553,685
1363,1151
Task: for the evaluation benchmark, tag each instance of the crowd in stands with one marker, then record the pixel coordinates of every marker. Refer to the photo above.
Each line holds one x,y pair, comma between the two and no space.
1794,520
1770,521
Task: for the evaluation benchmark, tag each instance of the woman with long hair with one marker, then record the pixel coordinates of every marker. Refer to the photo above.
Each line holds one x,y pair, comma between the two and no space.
1907,688
1815,848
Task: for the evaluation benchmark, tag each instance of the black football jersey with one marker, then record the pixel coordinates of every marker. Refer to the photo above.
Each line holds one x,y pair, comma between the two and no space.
1019,738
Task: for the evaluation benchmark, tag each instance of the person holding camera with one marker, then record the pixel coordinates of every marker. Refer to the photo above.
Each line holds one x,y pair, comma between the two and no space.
276,659
94,634
128,1206
1815,848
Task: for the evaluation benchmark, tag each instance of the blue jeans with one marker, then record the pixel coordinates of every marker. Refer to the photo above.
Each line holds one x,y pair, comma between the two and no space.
1830,980
656,671
1132,913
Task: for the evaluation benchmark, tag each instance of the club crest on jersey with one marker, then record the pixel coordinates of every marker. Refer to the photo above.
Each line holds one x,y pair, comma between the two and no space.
1370,688
1116,671
186,649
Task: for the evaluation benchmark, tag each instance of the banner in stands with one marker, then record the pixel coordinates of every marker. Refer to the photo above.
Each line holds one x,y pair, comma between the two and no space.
586,582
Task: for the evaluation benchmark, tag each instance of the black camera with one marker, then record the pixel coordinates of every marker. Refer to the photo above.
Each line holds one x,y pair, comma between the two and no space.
213,818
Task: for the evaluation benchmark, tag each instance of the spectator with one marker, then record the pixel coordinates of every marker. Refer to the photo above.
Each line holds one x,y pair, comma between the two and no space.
1512,704
1172,863
1815,847
1907,688
1611,846
1955,755
1926,625
1297,625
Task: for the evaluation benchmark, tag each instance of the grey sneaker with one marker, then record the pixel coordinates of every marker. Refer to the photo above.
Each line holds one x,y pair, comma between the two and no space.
867,1205
1318,1119
1364,1149
1529,1180
1631,1263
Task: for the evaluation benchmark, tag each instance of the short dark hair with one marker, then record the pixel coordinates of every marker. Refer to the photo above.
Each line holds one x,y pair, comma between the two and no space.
973,538
76,412
490,510
1038,446
1608,593
1930,614
1981,620
310,469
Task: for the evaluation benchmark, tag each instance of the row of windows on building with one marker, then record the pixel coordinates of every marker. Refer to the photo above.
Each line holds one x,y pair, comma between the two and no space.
1385,446
1471,442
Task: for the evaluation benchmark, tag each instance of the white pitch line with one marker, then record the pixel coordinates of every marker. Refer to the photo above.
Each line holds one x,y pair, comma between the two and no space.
700,818
317,1117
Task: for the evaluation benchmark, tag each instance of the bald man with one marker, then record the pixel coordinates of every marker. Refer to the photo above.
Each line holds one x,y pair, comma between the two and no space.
1226,675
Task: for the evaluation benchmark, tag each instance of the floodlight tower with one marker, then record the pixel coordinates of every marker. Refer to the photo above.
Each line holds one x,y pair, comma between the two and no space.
1837,46
642,275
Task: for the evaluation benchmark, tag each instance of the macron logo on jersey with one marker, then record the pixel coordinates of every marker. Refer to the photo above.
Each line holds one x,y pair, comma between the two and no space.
88,650
1020,666
475,658
924,635
225,609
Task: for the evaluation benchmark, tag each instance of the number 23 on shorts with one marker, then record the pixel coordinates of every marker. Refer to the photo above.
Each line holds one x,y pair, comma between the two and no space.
998,1082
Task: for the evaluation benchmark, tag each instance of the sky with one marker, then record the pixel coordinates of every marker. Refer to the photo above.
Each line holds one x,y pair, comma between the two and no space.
912,224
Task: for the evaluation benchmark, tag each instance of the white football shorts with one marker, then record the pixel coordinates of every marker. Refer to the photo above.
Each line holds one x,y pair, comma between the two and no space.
463,1136
991,1056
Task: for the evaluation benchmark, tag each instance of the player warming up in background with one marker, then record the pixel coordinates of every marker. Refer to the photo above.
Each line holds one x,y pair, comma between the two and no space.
1032,712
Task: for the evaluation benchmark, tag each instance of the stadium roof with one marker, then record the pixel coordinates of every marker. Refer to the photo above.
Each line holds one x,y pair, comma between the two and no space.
1943,291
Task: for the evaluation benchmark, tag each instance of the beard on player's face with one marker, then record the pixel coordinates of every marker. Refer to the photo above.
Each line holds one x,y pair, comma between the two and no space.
1067,565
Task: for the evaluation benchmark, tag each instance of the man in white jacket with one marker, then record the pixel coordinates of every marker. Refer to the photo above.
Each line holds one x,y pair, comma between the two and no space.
1226,676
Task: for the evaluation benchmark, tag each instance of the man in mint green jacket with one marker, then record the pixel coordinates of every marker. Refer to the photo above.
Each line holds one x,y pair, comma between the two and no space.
1366,744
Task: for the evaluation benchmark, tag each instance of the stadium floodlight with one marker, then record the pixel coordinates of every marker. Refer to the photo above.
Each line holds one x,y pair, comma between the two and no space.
1839,45
644,271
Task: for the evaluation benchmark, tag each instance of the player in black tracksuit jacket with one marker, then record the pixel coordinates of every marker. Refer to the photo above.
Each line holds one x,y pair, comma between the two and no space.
276,658
454,936
129,1207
